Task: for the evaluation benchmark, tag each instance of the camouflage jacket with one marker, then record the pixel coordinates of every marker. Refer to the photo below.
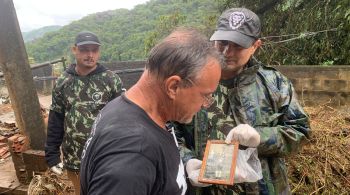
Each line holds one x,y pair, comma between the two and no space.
78,99
265,99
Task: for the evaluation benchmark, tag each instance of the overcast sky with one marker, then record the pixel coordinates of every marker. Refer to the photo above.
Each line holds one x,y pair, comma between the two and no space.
34,14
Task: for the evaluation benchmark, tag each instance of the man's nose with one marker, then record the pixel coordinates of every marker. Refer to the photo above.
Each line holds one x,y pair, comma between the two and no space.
225,51
90,52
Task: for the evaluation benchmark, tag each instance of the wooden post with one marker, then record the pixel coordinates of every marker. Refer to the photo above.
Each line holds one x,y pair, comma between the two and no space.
64,63
18,77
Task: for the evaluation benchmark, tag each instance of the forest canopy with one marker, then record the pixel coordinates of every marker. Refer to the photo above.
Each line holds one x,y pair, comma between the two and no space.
305,32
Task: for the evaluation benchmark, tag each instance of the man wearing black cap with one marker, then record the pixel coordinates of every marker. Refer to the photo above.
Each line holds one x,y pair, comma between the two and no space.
254,104
78,96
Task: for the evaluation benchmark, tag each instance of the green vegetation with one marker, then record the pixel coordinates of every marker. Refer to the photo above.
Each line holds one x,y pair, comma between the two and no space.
125,34
308,32
37,33
129,34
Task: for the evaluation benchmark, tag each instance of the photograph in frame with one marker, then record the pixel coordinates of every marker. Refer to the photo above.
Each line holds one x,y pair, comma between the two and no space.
219,163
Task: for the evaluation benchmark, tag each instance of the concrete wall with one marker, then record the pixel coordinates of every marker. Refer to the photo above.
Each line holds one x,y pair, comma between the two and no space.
128,78
43,86
319,84
314,84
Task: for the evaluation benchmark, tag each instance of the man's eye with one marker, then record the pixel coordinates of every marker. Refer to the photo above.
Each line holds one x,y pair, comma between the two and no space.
235,46
224,43
85,50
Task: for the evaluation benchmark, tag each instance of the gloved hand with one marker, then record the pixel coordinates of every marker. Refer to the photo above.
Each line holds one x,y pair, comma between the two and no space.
58,169
193,167
245,135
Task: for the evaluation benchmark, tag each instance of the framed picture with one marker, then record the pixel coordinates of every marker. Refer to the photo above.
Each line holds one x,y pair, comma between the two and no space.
219,163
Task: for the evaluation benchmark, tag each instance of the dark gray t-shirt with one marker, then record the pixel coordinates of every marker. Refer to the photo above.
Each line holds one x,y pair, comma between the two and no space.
128,153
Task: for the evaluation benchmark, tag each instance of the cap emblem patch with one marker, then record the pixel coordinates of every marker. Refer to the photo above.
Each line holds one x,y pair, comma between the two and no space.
236,20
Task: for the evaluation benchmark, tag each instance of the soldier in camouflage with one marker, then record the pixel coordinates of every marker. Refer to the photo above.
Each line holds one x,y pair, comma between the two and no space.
250,96
78,96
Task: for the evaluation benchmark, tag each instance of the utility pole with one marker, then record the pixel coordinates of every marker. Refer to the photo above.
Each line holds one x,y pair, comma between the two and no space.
18,77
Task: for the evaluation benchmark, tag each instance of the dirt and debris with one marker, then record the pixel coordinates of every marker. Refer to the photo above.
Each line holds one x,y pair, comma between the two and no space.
19,143
50,183
323,165
9,130
43,182
4,151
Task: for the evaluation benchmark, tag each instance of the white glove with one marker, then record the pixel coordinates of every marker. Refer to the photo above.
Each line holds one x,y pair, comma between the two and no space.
245,135
193,168
58,169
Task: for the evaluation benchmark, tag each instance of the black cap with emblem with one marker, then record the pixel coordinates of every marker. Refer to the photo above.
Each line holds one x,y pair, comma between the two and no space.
86,38
239,25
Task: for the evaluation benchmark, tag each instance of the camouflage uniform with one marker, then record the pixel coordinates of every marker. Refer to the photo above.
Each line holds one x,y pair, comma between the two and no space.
265,99
79,99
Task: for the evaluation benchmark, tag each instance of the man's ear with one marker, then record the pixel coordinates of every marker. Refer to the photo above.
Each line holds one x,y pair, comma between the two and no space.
172,86
255,46
74,49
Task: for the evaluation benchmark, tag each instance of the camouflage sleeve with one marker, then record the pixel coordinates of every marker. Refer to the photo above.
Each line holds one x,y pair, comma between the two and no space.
117,86
184,136
291,127
57,104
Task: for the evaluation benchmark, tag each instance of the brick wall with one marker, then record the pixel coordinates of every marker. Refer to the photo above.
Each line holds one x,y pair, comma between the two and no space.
314,84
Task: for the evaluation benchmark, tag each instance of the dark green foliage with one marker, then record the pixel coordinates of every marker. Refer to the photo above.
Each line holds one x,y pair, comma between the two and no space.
329,19
129,34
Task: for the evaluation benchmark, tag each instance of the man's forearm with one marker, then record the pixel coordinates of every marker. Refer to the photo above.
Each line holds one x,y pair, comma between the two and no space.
55,133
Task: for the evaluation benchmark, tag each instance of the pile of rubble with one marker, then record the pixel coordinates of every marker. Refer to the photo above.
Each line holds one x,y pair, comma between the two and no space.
4,149
9,131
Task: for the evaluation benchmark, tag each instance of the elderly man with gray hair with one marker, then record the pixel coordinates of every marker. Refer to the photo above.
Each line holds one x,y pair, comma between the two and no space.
131,150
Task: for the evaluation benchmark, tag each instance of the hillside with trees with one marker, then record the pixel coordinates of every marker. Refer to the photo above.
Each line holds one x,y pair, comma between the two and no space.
37,33
294,31
124,33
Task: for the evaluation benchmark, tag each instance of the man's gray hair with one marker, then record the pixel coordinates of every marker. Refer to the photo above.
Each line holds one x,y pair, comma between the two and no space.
183,53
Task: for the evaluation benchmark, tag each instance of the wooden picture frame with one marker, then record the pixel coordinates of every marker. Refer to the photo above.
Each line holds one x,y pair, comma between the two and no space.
219,162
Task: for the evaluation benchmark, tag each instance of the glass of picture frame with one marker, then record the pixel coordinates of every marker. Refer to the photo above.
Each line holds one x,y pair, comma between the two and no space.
219,162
